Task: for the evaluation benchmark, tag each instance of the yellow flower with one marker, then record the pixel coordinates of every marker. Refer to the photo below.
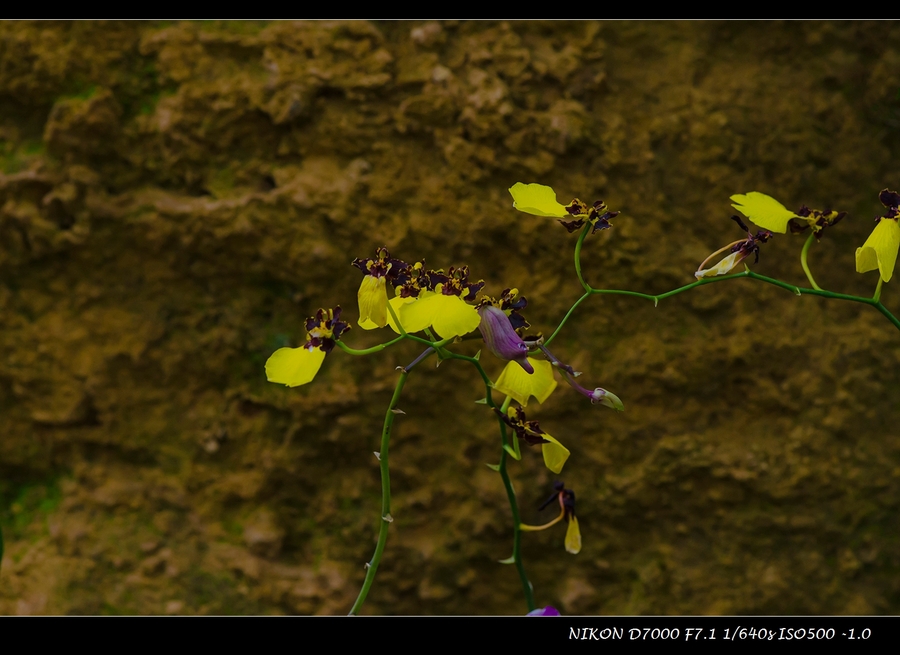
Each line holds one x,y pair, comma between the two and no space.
573,536
372,296
540,200
770,214
296,366
516,383
566,499
536,199
437,300
373,302
448,315
763,210
880,249
555,454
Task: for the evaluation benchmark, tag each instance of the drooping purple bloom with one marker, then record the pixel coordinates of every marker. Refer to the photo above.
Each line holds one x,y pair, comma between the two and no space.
501,338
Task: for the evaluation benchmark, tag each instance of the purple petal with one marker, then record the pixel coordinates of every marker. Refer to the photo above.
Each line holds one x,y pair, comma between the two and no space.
501,338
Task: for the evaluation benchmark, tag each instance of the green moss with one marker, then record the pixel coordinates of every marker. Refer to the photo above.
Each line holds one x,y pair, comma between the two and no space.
82,91
233,527
15,158
27,505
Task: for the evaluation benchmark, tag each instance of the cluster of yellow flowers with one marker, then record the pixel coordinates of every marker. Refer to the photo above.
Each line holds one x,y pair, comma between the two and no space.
444,302
878,252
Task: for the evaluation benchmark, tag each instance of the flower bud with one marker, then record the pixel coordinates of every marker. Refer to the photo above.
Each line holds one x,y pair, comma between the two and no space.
607,398
501,338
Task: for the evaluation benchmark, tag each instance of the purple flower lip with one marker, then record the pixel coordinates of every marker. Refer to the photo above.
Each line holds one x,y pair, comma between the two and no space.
501,338
544,611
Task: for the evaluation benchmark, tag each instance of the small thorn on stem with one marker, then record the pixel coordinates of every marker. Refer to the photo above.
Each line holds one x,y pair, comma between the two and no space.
388,518
377,456
398,411
368,565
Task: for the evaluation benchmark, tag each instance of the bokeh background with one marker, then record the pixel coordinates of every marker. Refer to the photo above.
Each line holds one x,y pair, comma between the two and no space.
176,198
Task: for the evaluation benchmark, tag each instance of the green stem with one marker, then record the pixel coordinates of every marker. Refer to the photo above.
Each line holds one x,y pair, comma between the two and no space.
507,483
514,510
386,518
803,254
566,317
877,295
587,287
799,291
367,351
578,244
437,345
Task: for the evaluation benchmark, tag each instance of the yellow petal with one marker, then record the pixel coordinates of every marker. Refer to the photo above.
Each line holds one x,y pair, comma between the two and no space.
763,210
453,317
573,537
724,267
880,249
419,314
450,316
536,199
516,383
555,454
373,300
294,366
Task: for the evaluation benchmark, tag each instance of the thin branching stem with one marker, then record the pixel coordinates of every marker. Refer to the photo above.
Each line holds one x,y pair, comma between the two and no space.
386,518
578,244
368,351
803,255
874,301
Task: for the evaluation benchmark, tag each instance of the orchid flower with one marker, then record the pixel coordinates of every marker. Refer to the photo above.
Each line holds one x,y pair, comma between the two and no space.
771,215
540,200
372,296
880,249
555,454
296,366
739,251
518,384
566,499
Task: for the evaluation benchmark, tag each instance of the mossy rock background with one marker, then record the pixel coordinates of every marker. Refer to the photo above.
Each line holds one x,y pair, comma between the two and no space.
175,199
